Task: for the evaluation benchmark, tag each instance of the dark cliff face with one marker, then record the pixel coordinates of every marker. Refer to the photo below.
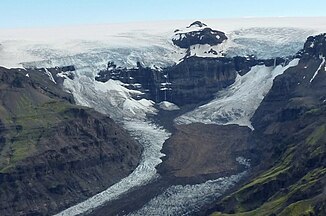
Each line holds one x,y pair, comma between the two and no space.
290,136
204,35
198,79
53,153
192,81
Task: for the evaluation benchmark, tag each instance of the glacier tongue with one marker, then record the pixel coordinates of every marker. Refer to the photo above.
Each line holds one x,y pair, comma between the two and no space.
189,199
152,138
114,99
237,103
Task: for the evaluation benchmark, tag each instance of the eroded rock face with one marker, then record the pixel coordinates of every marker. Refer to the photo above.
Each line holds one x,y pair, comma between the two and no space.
54,154
198,79
193,80
197,33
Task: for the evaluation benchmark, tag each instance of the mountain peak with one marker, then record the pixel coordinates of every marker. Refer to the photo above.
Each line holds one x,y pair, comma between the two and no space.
197,33
316,45
197,24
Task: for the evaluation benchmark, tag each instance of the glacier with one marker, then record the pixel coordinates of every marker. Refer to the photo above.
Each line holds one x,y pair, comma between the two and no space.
113,99
237,103
188,199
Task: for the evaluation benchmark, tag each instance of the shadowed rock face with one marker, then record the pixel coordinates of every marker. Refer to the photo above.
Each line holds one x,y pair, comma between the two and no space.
192,81
297,90
53,153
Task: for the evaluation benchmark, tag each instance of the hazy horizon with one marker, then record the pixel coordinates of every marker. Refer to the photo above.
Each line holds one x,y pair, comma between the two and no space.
47,13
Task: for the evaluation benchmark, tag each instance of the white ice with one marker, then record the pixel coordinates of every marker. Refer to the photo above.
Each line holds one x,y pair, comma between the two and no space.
189,199
237,103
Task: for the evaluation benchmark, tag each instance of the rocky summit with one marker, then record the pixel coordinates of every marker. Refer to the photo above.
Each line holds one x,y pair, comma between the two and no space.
197,33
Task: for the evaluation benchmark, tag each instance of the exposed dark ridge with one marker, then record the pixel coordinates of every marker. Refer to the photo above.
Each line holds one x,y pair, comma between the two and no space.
193,80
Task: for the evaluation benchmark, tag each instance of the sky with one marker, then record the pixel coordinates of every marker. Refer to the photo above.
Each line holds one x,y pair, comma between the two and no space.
48,13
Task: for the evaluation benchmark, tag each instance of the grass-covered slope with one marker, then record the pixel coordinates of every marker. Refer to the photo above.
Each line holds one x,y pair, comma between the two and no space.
294,185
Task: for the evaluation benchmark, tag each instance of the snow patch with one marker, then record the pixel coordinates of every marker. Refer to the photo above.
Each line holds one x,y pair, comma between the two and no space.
319,68
243,161
47,72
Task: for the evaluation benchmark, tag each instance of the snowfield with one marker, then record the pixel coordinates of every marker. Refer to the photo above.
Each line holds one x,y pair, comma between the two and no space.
151,43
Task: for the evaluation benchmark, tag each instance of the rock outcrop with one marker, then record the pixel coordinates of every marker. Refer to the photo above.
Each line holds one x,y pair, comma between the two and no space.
192,81
197,33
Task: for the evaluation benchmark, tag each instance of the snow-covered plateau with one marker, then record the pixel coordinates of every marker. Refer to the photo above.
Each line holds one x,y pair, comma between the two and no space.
89,48
151,43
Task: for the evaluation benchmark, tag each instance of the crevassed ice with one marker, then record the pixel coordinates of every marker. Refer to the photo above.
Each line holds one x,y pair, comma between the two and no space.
152,138
188,199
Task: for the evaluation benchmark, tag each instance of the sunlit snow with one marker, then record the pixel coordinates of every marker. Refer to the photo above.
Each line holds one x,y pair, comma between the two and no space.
319,68
237,103
151,43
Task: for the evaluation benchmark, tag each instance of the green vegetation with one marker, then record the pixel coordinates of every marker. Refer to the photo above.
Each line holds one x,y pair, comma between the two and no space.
293,186
28,121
